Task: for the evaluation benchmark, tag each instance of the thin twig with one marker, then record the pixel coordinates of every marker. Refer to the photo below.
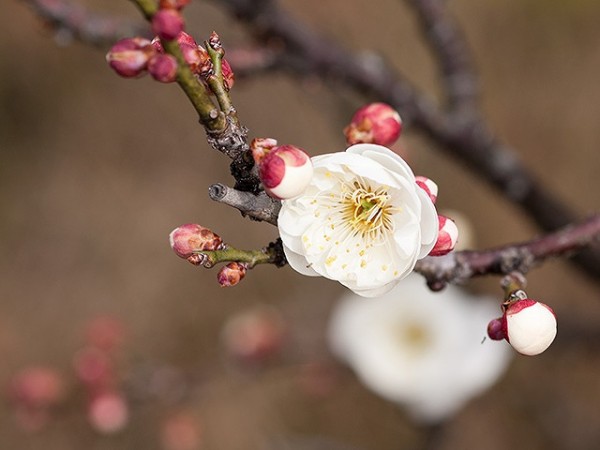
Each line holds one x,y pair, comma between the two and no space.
458,267
257,206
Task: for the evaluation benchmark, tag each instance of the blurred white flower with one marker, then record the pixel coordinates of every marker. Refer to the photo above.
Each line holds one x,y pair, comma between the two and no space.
362,221
418,348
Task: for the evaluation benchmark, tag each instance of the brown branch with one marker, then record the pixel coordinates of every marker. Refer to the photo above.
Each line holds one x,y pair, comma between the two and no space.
257,206
451,51
466,138
458,267
85,26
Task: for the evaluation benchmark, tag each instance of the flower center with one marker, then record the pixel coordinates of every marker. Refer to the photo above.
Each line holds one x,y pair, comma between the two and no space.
368,211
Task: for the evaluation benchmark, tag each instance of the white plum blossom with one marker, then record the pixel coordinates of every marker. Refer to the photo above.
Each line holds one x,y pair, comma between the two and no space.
420,349
362,220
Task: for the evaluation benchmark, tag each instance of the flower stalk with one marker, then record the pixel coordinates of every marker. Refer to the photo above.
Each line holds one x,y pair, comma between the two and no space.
209,258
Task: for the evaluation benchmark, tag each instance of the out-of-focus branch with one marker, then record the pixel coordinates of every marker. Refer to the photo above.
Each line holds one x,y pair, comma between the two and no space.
451,51
81,24
458,267
467,138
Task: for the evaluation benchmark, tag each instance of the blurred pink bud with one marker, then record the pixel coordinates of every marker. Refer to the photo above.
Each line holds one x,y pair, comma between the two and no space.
173,4
529,326
167,23
228,75
231,274
108,412
495,330
376,123
447,237
255,336
163,68
37,387
129,57
193,237
428,186
181,432
105,332
94,368
285,172
260,147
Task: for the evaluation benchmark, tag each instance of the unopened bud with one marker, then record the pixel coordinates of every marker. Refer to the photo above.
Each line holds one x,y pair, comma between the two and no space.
167,23
376,123
428,186
260,147
191,237
447,237
285,172
129,57
231,274
228,75
37,387
529,326
495,330
163,68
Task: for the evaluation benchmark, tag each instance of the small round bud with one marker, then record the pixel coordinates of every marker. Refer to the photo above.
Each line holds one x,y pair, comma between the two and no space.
530,326
105,332
191,237
495,330
447,237
167,23
376,123
108,412
260,147
285,172
37,387
93,368
231,274
129,57
163,68
428,186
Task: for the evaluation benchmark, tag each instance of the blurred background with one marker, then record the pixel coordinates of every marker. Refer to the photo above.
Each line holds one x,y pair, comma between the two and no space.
96,170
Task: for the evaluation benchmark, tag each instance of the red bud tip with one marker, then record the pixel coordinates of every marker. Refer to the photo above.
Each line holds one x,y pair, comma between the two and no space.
173,4
495,330
231,274
376,123
447,237
187,239
228,76
167,24
428,186
129,57
285,172
260,147
163,68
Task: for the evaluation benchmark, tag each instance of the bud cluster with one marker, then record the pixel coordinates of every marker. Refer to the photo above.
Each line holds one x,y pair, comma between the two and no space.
285,171
133,57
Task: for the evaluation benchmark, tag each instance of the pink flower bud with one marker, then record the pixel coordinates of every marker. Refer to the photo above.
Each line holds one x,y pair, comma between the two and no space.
376,123
191,237
93,368
163,68
108,412
529,326
228,75
129,57
428,186
447,237
105,333
260,147
167,23
495,330
231,274
181,432
285,172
